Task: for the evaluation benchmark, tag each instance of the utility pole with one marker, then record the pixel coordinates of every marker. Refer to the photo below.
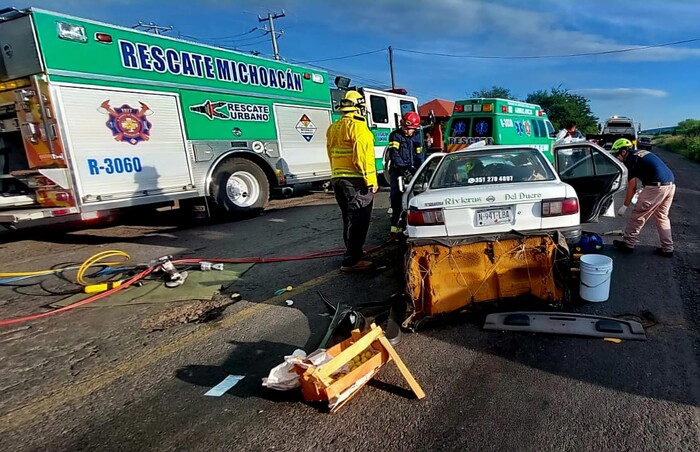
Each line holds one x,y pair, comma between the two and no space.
271,19
391,67
153,28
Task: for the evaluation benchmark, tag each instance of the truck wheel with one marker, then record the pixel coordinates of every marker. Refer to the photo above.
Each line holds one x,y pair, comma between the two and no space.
240,187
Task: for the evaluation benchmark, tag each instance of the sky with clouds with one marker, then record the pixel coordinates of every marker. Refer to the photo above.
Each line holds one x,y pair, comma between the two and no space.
656,86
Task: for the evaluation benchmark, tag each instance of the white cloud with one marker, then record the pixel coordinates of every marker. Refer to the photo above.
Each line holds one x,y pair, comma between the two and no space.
614,94
478,27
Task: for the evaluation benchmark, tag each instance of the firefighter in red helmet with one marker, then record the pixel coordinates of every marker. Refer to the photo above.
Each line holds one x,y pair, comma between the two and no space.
405,156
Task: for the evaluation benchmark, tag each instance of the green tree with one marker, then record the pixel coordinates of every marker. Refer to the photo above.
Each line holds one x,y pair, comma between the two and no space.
495,92
562,106
689,128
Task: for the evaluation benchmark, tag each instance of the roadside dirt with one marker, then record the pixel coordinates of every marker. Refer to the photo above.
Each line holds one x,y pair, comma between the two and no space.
195,312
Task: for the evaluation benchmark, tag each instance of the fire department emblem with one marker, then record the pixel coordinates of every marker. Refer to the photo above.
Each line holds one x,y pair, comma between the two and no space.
127,123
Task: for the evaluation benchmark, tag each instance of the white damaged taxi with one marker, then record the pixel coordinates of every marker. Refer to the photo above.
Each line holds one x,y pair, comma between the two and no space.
493,190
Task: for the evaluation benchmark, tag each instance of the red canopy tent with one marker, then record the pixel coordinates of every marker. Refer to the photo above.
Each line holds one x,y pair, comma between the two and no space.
441,108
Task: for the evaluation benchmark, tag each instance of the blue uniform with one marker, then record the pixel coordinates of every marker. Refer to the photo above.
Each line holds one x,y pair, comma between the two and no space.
405,155
648,168
404,151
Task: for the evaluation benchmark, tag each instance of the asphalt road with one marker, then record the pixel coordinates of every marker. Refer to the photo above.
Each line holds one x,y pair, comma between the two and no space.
93,378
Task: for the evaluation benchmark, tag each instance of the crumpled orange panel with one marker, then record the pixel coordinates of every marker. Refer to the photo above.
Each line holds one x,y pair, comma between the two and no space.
443,278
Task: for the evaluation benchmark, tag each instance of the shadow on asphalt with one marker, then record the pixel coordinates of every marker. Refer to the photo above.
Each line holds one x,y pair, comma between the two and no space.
96,232
256,359
252,359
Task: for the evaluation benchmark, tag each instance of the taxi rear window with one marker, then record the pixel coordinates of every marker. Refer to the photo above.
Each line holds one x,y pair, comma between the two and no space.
475,168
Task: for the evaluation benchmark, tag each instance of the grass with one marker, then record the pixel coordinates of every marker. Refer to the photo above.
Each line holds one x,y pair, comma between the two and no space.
686,146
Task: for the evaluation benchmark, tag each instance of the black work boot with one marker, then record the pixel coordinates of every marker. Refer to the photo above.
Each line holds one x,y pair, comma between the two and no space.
661,252
622,246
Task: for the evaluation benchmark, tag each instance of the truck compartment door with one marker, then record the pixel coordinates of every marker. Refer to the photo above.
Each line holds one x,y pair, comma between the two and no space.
19,52
124,144
302,136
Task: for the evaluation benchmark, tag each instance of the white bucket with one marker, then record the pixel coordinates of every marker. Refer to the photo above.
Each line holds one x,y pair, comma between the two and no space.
595,277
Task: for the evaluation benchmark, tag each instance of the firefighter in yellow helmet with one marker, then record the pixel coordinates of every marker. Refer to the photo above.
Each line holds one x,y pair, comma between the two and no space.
350,146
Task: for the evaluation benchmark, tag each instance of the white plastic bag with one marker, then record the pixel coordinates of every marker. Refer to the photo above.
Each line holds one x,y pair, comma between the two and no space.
284,378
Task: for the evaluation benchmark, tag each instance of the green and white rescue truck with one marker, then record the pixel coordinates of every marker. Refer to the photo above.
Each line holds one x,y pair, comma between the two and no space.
95,117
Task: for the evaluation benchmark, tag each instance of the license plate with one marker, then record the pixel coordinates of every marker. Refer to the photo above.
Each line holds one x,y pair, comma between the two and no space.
492,217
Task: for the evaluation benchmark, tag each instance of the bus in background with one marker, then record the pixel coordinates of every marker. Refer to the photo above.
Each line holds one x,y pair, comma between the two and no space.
499,121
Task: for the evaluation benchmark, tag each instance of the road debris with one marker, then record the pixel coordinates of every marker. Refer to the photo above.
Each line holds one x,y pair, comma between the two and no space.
228,383
196,312
347,318
175,278
337,374
615,232
646,318
208,266
363,354
286,376
486,271
289,302
566,323
283,290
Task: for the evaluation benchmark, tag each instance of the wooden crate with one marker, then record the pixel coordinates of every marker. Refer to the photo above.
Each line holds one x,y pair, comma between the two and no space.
323,383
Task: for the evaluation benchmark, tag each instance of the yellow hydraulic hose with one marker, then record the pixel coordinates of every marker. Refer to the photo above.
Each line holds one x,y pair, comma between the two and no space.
36,273
94,261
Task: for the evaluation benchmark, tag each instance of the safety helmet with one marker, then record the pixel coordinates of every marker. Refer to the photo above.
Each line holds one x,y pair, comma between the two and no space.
353,101
620,144
411,120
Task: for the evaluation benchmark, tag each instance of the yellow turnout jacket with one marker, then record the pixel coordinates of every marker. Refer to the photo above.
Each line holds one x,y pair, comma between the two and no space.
350,146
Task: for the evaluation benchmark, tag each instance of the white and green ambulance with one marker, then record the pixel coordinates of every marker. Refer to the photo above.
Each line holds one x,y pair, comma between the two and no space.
499,121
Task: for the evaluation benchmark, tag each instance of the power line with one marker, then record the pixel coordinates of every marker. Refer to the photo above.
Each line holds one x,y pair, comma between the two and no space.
199,38
537,57
360,78
251,44
235,41
224,41
344,57
153,28
333,71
